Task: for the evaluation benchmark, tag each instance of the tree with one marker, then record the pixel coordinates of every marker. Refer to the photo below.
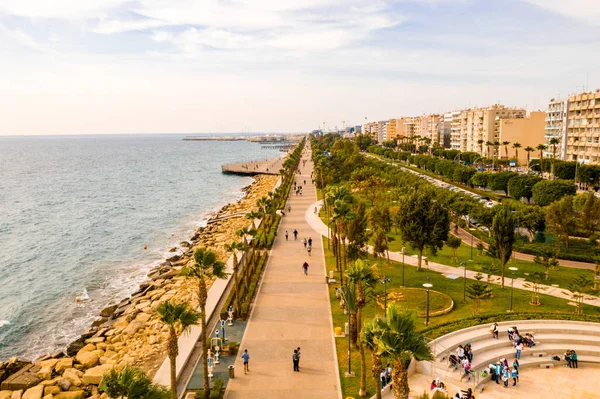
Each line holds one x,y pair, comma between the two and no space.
553,142
480,142
478,291
490,269
488,144
363,277
548,261
342,215
480,179
358,233
178,317
131,383
578,290
205,267
381,222
545,192
516,146
401,341
424,222
505,144
532,218
233,247
560,219
588,207
503,236
453,243
480,247
521,186
370,334
499,181
536,286
529,150
541,148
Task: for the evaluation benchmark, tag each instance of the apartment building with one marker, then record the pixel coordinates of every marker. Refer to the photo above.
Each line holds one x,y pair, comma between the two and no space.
444,129
390,130
454,119
381,131
583,128
556,127
528,131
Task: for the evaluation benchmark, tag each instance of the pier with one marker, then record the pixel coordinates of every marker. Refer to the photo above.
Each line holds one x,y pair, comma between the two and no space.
251,168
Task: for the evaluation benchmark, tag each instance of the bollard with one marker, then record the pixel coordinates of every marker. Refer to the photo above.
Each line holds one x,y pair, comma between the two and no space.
231,372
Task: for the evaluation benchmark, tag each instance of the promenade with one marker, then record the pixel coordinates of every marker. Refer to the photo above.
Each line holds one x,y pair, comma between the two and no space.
262,167
291,310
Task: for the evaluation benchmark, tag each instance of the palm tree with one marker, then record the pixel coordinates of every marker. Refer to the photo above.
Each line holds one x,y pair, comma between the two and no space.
362,276
480,142
131,383
334,194
529,150
400,341
342,214
496,152
553,142
253,216
541,148
178,317
488,144
205,267
505,144
369,337
233,248
516,146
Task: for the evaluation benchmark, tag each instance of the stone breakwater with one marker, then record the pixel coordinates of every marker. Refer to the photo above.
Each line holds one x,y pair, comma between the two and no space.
128,332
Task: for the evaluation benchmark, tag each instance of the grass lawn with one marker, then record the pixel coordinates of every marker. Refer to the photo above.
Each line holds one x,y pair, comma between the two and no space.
452,288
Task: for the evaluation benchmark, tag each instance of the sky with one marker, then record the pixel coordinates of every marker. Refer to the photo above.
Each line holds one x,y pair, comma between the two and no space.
183,66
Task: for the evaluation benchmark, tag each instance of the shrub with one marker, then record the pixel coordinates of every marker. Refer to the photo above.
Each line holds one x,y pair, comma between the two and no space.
547,191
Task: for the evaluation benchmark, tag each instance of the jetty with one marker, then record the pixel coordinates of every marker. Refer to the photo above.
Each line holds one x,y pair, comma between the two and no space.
252,168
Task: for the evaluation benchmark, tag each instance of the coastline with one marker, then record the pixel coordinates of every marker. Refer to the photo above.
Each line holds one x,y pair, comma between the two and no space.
128,332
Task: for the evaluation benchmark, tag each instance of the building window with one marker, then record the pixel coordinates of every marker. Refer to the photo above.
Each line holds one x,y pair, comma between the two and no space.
589,139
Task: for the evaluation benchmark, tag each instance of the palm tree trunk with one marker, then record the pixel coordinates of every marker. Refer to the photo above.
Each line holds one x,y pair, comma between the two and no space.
363,371
173,351
353,328
376,371
400,380
203,337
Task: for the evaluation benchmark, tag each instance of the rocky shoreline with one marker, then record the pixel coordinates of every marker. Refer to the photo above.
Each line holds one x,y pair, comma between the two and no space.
129,332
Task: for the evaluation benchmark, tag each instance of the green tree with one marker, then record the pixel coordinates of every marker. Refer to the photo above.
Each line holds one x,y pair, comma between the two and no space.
499,181
478,291
578,290
342,215
516,146
131,383
503,236
505,144
560,219
369,336
522,186
535,283
545,192
178,317
554,142
363,277
453,243
541,148
480,179
400,340
588,207
548,261
424,222
205,267
358,232
532,218
232,248
490,269
529,150
480,247
381,222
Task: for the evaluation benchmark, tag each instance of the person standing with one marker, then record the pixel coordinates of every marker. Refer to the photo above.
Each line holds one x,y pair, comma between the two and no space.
519,348
286,235
289,209
515,376
305,267
246,358
388,373
310,241
296,360
304,242
295,234
574,358
383,378
308,249
494,330
505,376
299,356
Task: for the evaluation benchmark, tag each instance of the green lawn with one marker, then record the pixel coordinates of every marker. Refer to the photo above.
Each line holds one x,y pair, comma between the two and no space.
453,288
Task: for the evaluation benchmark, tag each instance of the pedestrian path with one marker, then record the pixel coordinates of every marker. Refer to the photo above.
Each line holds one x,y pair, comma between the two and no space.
291,310
317,224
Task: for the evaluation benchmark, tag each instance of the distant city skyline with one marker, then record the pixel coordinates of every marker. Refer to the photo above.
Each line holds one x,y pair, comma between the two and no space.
147,66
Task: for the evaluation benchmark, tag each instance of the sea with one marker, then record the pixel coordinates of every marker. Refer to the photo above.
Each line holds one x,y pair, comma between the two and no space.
76,213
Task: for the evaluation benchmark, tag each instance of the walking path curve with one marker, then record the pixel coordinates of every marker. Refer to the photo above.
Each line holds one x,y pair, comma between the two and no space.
317,224
291,310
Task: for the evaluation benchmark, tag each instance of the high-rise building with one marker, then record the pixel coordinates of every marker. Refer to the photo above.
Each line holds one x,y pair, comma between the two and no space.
556,127
381,131
583,129
444,129
528,131
455,130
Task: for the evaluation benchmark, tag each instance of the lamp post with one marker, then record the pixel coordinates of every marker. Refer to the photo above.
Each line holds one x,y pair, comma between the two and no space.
428,286
384,281
403,253
512,285
464,282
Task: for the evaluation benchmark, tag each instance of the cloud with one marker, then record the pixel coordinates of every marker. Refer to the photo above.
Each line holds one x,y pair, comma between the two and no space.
24,40
588,10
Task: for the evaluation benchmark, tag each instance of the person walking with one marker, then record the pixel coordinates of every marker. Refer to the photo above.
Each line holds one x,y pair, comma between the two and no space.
305,267
304,242
289,209
286,235
296,360
388,373
295,234
494,330
310,241
246,358
308,248
299,356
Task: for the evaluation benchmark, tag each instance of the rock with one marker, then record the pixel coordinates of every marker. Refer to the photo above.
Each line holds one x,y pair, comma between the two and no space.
75,347
63,364
49,383
5,394
87,359
152,339
64,384
133,327
45,373
99,322
143,317
17,394
174,258
106,312
87,348
73,376
53,390
47,363
33,393
48,397
70,395
94,375
94,340
173,249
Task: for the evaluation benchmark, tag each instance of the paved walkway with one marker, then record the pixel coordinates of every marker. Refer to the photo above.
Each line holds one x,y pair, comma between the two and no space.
318,225
291,310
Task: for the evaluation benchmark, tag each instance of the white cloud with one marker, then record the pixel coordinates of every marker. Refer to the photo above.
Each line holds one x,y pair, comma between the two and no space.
23,39
588,10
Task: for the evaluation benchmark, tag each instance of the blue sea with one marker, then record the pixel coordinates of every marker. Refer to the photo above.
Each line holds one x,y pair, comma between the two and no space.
76,213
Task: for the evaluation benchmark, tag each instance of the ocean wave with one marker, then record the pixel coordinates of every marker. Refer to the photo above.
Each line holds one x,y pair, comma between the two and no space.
4,323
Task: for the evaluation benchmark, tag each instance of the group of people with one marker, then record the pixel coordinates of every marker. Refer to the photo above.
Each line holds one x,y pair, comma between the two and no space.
502,371
298,188
438,385
462,357
570,356
386,376
464,394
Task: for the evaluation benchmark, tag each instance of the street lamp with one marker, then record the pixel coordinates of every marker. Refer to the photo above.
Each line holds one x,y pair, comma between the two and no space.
403,253
512,285
384,281
428,286
464,282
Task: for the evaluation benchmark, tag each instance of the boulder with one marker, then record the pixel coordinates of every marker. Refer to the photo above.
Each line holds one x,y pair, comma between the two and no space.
173,258
63,364
133,327
45,373
53,390
51,382
17,394
34,393
143,317
94,340
78,394
99,322
5,394
73,376
47,363
87,359
95,374
173,249
75,347
106,312
64,384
